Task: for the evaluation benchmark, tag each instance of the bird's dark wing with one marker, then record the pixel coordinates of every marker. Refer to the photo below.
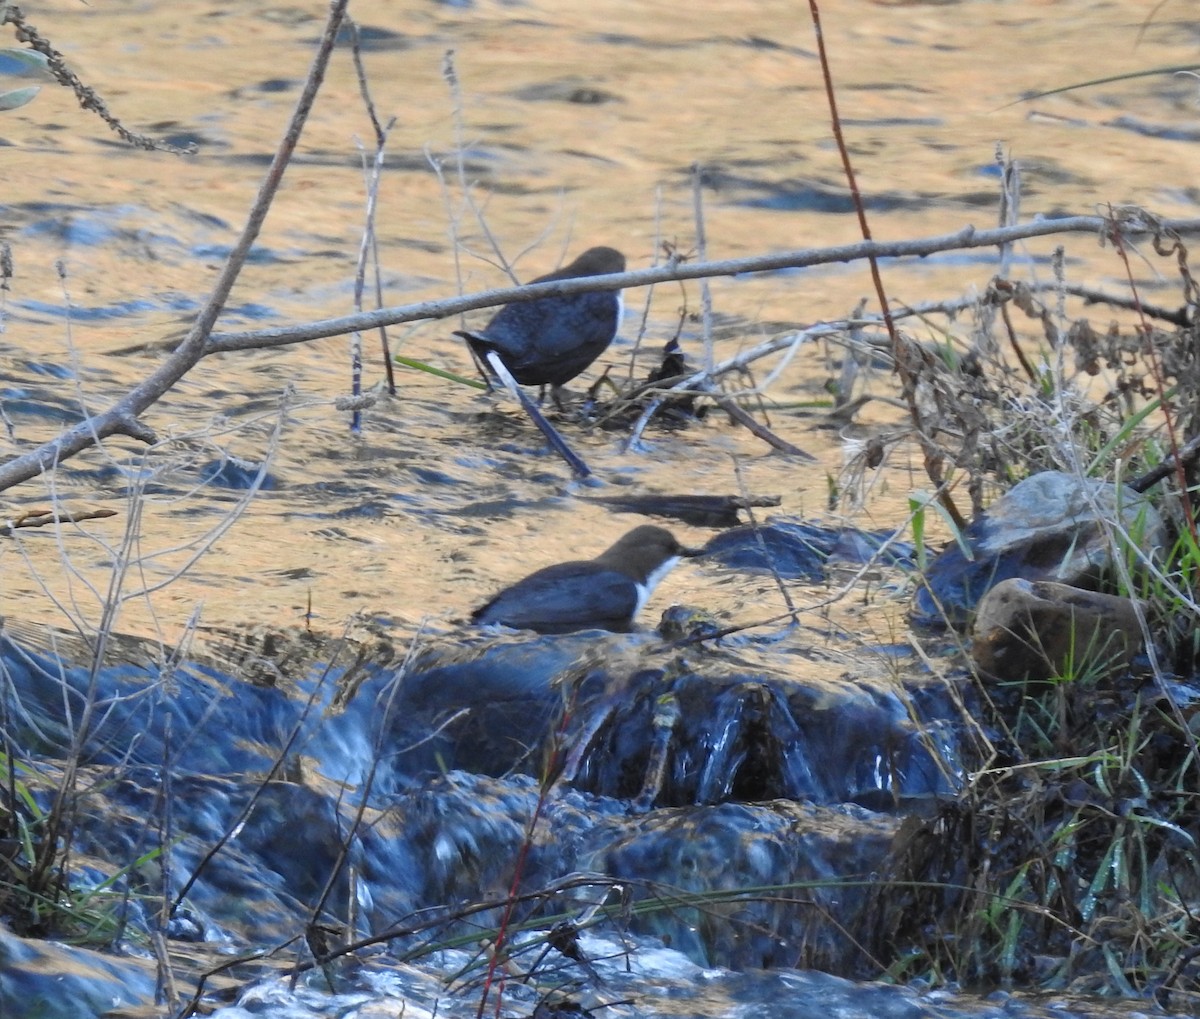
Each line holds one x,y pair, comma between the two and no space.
587,331
551,340
512,333
560,599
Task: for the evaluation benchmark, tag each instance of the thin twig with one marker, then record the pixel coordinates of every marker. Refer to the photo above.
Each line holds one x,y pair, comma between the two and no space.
381,136
645,319
762,543
1010,201
934,457
754,427
1156,369
42,517
702,254
369,249
281,758
450,73
88,98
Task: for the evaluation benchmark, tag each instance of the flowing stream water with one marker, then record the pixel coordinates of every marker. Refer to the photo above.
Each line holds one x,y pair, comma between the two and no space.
568,124
580,124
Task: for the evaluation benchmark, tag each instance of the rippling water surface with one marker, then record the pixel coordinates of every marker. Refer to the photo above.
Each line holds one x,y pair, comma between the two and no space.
575,124
579,125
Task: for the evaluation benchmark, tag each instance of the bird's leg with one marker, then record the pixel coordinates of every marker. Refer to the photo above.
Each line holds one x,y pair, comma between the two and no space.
489,377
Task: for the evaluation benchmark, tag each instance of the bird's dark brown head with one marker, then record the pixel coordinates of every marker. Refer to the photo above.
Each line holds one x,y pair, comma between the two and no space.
599,261
640,552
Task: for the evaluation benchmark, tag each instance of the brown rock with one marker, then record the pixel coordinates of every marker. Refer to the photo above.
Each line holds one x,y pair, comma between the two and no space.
1040,630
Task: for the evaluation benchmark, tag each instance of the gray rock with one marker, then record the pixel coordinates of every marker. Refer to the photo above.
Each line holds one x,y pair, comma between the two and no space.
1051,527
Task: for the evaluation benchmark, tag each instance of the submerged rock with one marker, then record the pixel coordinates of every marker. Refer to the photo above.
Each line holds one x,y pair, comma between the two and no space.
396,787
797,550
51,981
708,728
634,718
695,510
696,860
1051,526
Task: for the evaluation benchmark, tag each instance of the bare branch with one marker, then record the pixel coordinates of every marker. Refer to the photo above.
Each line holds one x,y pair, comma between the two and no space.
122,416
968,237
42,517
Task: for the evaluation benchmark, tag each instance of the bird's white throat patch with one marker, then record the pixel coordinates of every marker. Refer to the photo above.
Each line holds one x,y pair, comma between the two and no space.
646,588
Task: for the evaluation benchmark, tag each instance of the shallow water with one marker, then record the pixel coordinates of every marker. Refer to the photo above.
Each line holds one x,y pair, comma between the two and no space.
580,125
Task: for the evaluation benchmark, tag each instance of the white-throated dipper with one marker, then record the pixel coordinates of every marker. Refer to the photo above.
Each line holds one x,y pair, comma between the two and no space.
604,593
551,340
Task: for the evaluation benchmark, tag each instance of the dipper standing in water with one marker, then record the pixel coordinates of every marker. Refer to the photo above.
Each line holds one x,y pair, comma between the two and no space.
551,340
604,593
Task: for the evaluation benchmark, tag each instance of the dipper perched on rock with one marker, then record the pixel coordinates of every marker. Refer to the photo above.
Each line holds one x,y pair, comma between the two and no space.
551,340
604,593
